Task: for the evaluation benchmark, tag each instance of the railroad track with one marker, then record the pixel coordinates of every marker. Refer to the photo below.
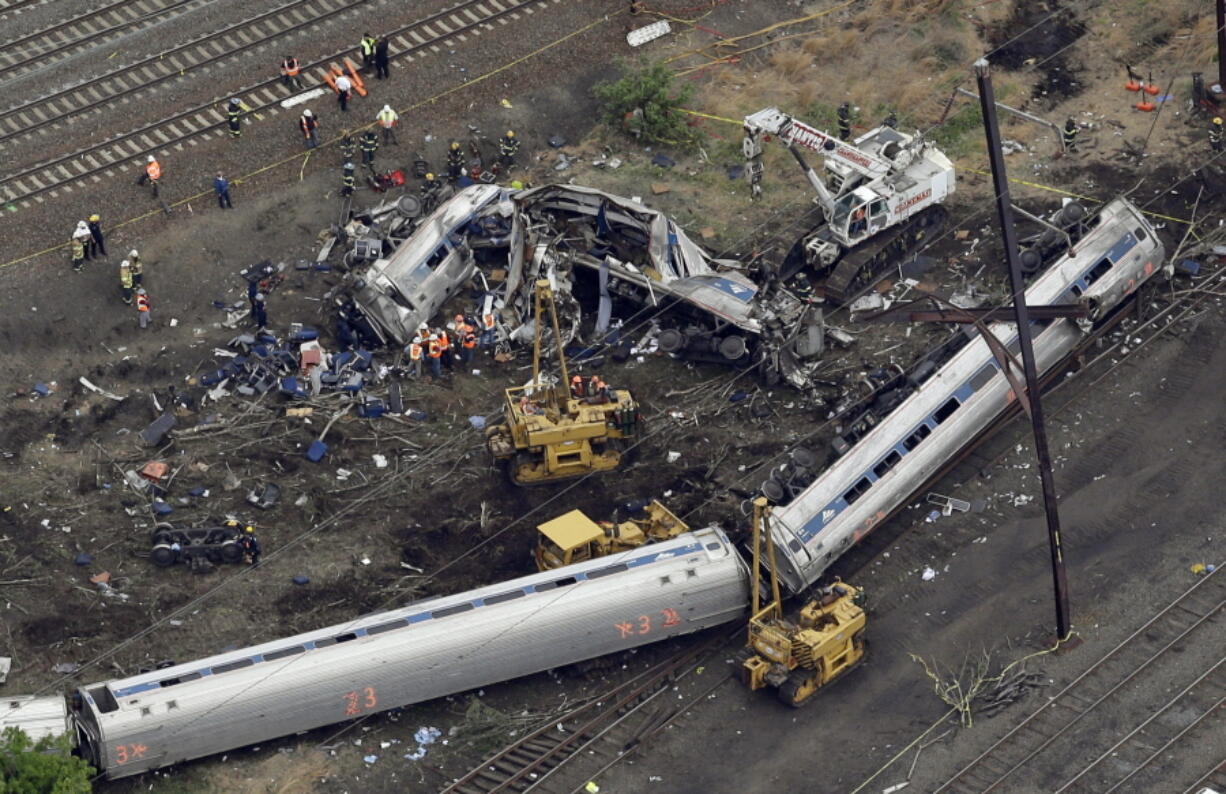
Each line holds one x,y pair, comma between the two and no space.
19,5
428,35
562,755
1145,654
74,102
69,37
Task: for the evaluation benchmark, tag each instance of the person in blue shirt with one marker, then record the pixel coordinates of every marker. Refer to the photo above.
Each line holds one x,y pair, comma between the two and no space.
222,188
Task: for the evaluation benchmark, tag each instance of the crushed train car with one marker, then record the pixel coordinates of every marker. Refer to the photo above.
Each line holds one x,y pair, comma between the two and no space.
597,249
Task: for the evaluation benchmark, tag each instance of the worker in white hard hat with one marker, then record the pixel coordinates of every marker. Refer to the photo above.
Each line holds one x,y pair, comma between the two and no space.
82,234
138,267
125,281
310,128
153,172
387,119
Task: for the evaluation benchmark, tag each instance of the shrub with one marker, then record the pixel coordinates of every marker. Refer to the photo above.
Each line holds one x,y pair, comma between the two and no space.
646,99
43,767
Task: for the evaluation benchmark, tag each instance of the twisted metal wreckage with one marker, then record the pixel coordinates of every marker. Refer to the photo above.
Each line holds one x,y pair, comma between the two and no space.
601,252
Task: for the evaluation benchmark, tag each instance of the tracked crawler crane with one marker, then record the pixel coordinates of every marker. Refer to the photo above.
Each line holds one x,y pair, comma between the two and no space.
881,197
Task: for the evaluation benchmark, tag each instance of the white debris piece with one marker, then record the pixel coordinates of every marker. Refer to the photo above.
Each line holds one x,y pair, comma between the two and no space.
640,36
380,461
928,575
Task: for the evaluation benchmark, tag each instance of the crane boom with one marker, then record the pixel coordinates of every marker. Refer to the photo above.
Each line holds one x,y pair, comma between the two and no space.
793,132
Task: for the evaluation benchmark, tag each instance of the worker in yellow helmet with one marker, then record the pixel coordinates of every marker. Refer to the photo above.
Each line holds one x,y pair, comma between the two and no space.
1215,134
508,146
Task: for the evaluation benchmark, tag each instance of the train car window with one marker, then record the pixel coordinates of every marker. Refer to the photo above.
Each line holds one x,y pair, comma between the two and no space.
612,569
293,650
325,642
452,610
946,410
982,377
1139,232
713,546
382,627
507,596
229,666
104,700
1015,346
794,544
1098,271
858,490
912,441
181,679
1076,290
888,463
347,637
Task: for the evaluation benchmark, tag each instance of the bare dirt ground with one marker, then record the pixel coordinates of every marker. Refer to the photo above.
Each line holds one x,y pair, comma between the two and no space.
1137,456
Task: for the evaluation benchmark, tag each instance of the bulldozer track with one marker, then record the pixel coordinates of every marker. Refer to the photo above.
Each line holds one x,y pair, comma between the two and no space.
451,27
72,36
1087,702
562,755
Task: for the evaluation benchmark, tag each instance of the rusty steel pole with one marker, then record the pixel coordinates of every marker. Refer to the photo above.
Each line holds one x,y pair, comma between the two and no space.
1000,183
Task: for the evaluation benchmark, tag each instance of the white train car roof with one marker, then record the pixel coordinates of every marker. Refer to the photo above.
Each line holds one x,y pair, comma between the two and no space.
800,526
419,652
37,716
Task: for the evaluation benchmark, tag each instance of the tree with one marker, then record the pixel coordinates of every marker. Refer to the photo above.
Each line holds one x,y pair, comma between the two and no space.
43,767
644,102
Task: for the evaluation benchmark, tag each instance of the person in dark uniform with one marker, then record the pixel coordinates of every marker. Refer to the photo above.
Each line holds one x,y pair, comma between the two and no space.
347,181
508,146
382,59
844,121
1070,135
98,242
259,310
455,161
1215,141
235,109
370,144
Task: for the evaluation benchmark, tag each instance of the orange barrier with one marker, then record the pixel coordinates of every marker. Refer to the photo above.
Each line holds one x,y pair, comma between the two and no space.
1132,85
1152,89
1145,106
358,85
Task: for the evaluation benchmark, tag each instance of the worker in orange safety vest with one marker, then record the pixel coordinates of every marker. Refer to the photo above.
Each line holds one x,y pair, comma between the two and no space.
415,352
153,172
434,351
444,342
289,71
142,308
576,387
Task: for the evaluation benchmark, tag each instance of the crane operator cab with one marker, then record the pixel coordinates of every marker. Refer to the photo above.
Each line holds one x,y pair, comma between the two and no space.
859,215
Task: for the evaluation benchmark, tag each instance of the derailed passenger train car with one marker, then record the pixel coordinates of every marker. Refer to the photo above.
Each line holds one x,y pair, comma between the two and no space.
949,406
409,655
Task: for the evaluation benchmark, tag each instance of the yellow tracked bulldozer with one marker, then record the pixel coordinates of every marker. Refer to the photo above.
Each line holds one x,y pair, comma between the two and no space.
573,537
553,432
798,658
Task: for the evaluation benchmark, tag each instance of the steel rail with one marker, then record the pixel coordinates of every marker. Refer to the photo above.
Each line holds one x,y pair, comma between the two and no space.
1113,750
55,174
161,67
124,15
1017,735
1215,778
528,762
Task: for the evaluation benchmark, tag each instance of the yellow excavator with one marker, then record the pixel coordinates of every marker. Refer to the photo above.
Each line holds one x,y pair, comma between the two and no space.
573,537
554,432
798,658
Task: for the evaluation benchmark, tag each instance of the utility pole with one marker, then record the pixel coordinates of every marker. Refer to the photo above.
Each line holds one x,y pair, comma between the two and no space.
1221,45
1000,183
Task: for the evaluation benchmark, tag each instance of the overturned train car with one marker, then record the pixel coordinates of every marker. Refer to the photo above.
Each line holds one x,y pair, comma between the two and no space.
410,655
939,410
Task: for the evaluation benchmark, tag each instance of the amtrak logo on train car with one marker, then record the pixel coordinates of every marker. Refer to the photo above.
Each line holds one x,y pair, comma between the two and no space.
741,292
828,514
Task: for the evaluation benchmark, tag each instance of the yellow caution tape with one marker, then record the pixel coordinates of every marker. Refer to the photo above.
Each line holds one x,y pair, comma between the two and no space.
603,20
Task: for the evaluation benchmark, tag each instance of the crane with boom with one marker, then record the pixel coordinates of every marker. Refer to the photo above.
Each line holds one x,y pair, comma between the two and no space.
797,658
881,197
552,432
